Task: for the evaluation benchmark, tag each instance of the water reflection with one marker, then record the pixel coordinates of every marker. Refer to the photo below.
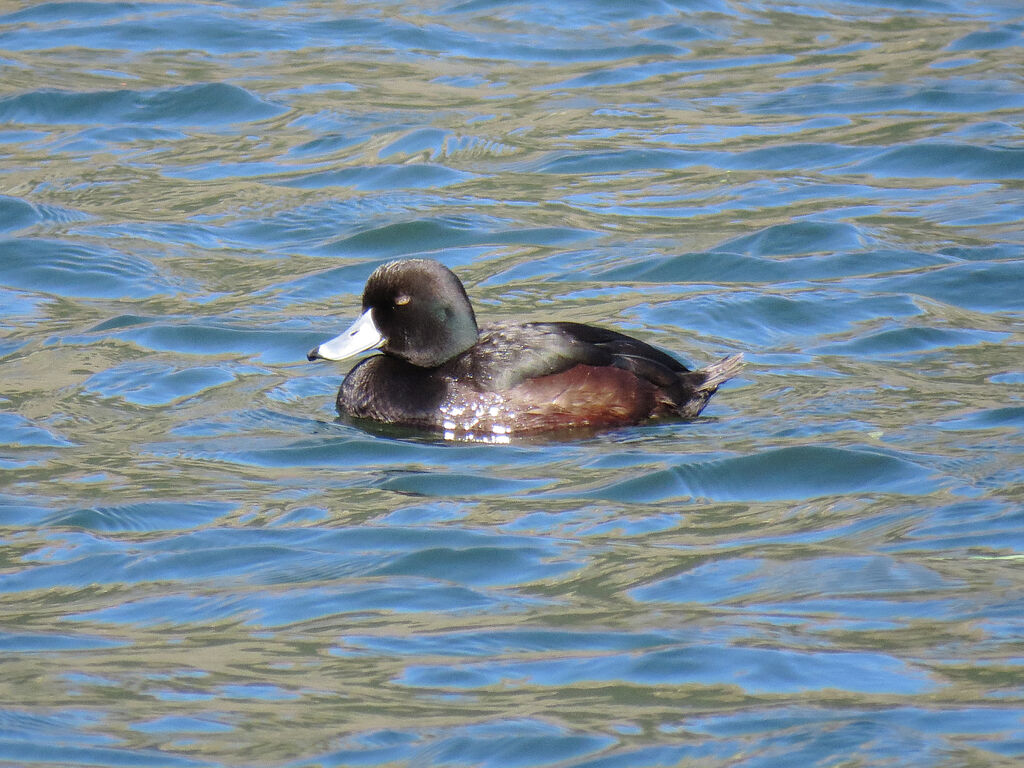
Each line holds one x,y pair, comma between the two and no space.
203,567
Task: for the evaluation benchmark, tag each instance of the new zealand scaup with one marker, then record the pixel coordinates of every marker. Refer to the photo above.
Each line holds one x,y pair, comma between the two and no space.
438,371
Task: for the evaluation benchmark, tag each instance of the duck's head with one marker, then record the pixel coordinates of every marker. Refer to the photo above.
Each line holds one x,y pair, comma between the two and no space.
414,309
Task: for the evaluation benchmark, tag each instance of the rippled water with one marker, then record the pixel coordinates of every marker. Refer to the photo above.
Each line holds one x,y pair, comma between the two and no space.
201,567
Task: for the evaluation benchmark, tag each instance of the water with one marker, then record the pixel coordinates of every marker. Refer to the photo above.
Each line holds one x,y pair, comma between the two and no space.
202,568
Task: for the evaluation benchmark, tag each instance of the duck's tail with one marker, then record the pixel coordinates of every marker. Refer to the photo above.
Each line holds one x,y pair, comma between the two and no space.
697,387
720,372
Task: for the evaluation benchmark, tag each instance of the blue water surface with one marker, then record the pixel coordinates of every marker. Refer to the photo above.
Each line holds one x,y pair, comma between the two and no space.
204,567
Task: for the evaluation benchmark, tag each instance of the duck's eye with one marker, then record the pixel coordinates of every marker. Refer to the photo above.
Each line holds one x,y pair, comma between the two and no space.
402,299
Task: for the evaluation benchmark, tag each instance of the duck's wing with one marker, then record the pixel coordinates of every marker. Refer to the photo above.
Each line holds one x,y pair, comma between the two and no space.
678,387
508,354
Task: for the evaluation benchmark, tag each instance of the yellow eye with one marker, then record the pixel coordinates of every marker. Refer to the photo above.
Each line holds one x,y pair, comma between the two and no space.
402,300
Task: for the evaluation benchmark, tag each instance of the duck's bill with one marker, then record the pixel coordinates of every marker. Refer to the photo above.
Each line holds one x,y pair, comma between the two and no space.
361,336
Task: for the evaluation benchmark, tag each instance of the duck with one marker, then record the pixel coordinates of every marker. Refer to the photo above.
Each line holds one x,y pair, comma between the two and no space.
438,370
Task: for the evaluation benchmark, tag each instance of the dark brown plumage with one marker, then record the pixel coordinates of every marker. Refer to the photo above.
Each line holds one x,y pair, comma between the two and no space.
438,371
